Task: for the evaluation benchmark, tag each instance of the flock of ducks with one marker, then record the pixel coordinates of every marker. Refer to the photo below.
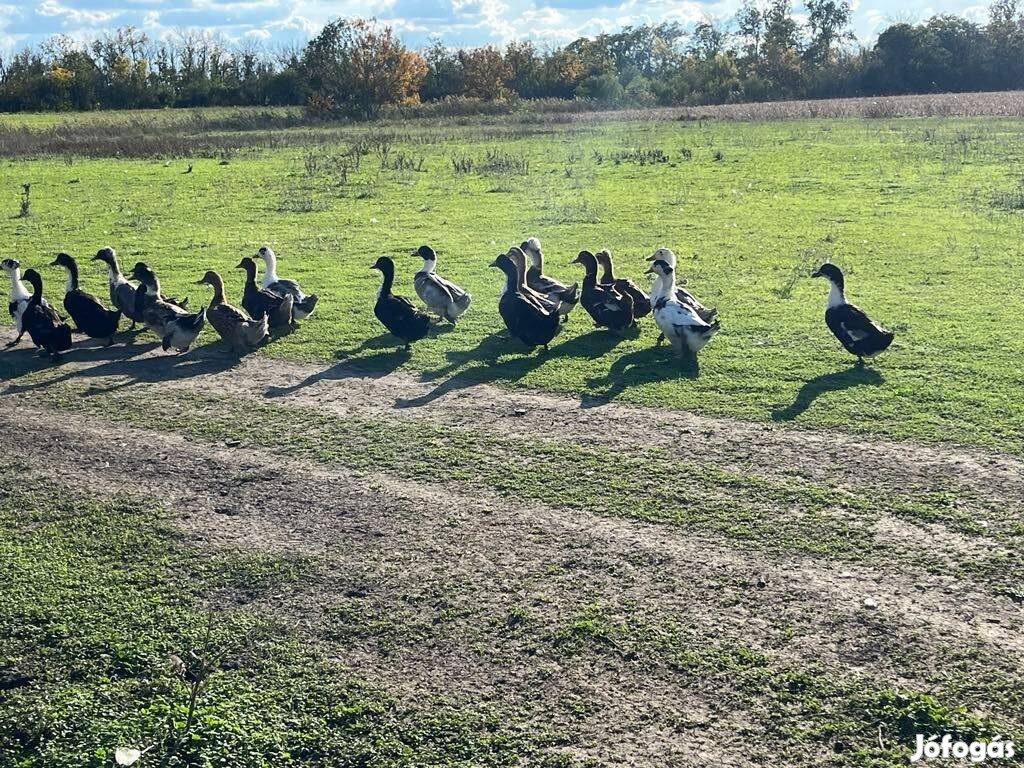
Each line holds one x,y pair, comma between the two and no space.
275,303
532,304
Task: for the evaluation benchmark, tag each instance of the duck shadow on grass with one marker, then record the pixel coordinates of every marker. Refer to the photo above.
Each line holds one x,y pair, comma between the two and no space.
644,366
120,361
482,364
837,381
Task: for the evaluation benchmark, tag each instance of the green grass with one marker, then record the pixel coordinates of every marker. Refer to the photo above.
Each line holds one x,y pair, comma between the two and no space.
907,207
95,594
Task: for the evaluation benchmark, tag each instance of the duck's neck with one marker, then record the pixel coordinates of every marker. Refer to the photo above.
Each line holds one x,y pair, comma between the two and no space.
429,265
385,287
835,296
18,291
218,293
590,277
665,285
537,262
37,293
72,282
512,281
608,273
271,274
153,285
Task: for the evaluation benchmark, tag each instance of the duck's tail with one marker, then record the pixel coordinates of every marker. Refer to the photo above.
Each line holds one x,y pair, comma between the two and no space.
257,331
305,307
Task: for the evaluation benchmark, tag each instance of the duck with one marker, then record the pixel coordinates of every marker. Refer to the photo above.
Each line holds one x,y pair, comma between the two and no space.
20,297
152,290
538,281
608,308
241,332
302,304
855,330
707,314
122,292
641,301
442,297
525,319
259,301
45,327
175,327
679,322
88,313
397,313
547,302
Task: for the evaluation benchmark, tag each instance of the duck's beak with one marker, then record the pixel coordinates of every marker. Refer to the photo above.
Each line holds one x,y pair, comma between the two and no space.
240,265
53,263
816,273
495,262
200,282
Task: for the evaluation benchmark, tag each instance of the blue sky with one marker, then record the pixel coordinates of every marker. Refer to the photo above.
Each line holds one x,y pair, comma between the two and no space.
459,22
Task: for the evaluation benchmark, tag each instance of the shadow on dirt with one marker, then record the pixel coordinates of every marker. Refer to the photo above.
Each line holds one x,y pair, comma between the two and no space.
855,376
483,363
122,361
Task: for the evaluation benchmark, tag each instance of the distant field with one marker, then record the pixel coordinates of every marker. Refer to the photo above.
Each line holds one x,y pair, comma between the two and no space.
925,214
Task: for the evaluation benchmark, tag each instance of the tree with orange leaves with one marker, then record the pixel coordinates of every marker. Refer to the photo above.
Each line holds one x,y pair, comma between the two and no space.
355,67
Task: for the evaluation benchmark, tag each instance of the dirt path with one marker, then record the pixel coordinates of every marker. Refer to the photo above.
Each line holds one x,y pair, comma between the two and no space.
830,457
468,596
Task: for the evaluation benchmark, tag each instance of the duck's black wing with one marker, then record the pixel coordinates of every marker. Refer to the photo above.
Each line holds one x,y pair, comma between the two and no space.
856,331
89,315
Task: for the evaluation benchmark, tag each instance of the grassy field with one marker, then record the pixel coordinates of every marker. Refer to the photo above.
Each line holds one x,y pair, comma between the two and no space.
925,216
583,565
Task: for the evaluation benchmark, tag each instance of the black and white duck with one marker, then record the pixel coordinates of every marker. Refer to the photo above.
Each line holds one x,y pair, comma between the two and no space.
259,301
303,304
707,314
19,297
87,312
45,327
525,319
241,332
607,307
679,322
122,292
855,330
173,325
641,301
568,295
397,313
442,297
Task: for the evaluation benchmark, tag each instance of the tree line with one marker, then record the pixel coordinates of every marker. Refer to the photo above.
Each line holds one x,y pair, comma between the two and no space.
354,67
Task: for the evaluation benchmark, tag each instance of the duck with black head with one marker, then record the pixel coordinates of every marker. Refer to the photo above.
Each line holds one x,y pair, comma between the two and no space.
397,313
608,308
20,296
259,301
442,297
88,313
525,319
45,327
857,332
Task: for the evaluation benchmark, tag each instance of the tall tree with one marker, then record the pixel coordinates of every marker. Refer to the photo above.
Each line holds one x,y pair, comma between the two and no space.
829,22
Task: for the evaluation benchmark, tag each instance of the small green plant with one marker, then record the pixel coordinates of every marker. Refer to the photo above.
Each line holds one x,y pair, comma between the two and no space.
26,200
